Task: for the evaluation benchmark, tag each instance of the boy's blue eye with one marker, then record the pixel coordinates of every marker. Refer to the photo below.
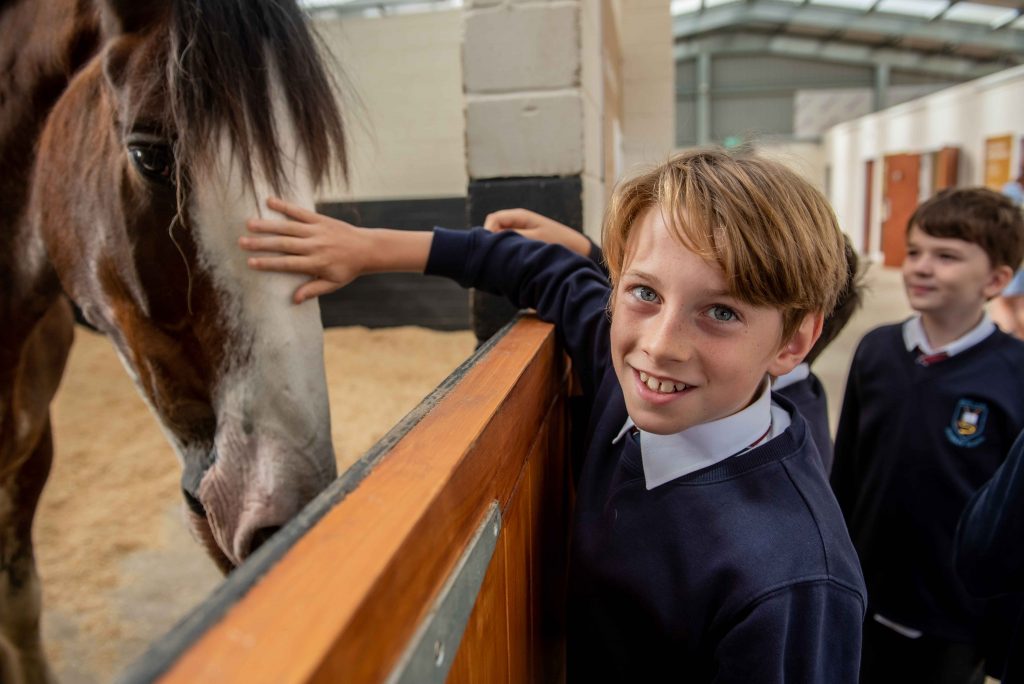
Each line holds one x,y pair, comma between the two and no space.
722,313
644,293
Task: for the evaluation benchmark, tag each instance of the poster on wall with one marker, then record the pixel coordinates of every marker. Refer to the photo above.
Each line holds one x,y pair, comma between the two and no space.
998,152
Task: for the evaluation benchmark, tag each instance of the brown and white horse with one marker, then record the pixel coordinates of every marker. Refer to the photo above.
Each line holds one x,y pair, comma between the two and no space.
136,136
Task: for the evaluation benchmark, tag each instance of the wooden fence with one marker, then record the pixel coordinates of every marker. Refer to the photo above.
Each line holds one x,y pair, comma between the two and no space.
440,556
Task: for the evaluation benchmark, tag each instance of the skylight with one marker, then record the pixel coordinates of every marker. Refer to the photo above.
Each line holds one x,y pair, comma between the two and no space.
684,6
925,9
975,13
846,4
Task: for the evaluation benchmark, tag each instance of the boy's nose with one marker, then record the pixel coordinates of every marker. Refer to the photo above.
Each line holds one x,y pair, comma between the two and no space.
664,340
919,264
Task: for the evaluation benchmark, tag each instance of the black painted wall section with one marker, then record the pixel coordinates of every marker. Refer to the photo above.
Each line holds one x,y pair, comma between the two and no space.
393,299
558,198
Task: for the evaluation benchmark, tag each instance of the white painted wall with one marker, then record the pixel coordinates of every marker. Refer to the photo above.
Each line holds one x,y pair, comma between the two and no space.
648,82
405,123
805,158
963,116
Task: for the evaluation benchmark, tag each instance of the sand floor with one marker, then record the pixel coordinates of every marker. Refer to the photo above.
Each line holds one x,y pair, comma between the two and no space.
119,568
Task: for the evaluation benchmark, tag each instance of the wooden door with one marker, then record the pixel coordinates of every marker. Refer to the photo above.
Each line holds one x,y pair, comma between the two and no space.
946,161
899,196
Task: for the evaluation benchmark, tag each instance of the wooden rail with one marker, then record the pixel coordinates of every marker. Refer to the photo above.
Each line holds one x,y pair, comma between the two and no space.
343,601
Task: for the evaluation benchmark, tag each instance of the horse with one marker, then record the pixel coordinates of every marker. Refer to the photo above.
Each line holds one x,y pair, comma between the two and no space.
136,138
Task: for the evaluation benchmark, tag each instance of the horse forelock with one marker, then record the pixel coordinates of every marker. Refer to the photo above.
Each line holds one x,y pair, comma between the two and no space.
223,57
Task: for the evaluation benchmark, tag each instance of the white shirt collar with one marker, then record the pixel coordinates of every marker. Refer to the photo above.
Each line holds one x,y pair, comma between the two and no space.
801,372
914,336
666,457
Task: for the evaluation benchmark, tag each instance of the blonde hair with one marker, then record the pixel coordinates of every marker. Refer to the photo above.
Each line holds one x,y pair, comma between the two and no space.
774,236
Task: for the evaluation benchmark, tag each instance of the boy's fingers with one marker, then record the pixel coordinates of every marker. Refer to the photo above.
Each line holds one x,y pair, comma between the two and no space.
282,264
275,243
496,221
315,288
279,227
510,219
292,210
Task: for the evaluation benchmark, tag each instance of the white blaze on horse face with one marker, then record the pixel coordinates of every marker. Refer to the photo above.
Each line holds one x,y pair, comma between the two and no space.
273,440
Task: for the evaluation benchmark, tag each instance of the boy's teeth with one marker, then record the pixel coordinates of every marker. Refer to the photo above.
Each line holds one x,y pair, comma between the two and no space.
658,386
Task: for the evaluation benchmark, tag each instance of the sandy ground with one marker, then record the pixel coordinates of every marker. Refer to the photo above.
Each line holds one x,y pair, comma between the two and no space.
117,563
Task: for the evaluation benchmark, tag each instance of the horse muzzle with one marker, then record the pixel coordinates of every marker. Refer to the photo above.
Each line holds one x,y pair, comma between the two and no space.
243,496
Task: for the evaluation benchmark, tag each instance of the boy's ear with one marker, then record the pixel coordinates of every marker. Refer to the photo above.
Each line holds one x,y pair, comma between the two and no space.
792,352
997,281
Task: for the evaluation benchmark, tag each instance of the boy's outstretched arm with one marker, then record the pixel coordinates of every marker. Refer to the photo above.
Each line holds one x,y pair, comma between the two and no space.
537,227
332,253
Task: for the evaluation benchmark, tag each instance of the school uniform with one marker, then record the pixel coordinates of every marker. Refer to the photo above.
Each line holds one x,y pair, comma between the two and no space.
989,554
802,387
694,556
921,430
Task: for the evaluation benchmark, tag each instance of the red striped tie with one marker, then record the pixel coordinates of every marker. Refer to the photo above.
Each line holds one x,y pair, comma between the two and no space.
929,359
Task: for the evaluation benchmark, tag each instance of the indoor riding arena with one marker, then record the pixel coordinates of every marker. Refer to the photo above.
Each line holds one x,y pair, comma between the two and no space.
439,552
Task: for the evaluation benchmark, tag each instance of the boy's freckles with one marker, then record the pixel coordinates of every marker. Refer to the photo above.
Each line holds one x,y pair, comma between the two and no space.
685,352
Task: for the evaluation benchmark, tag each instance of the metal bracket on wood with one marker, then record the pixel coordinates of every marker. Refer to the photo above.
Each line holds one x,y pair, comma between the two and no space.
432,649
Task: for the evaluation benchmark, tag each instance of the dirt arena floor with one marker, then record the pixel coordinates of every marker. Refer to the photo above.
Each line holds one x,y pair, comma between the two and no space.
118,566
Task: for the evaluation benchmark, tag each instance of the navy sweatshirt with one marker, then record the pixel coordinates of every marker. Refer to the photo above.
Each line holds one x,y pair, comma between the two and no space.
914,443
809,397
740,572
989,552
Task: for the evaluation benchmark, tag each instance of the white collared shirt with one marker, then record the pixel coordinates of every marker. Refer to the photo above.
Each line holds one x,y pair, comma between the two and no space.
914,336
801,372
666,457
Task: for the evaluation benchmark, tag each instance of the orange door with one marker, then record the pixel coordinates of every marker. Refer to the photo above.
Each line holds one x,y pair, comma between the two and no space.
899,196
946,162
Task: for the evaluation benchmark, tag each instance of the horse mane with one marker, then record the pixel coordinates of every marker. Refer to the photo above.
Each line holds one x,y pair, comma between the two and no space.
220,72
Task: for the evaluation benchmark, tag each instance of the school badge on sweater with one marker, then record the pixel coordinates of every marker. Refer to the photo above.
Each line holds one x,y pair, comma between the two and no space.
967,427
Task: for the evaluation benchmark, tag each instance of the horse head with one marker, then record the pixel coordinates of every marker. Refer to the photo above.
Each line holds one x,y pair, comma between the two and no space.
148,167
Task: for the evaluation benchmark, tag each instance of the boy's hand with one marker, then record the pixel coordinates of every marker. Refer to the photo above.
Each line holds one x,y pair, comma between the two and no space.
533,225
333,253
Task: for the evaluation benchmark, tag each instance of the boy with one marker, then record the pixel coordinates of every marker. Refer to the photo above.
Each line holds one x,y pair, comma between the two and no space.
706,543
801,386
931,408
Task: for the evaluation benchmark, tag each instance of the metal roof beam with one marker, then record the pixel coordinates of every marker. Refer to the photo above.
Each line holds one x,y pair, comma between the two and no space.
771,13
832,51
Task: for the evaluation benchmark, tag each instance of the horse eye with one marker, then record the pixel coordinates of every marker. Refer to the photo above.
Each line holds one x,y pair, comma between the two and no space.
155,162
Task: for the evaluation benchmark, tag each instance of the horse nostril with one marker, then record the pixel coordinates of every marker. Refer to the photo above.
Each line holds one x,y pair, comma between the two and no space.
260,537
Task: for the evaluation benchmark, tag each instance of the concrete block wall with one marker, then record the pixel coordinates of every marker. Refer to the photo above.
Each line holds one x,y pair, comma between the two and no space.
525,140
521,65
593,58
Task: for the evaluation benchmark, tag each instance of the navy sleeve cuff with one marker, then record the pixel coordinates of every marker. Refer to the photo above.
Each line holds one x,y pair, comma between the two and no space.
448,252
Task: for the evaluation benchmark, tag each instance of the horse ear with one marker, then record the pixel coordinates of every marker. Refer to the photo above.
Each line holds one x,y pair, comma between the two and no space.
123,18
130,16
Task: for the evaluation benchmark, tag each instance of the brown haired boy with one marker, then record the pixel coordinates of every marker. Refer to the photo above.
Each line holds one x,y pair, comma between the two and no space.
931,409
706,543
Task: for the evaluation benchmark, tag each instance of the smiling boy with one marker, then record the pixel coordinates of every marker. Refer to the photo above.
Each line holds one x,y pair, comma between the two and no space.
706,543
931,409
